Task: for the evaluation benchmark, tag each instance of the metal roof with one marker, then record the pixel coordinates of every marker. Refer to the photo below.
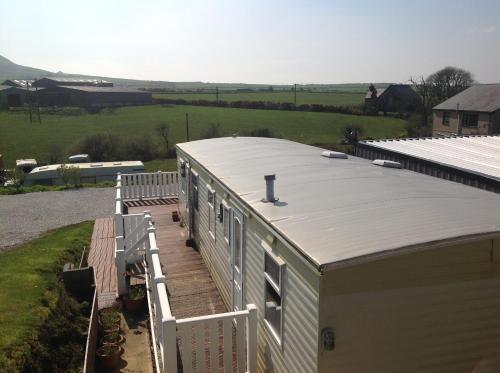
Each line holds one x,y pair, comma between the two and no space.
100,89
337,210
479,155
74,80
480,97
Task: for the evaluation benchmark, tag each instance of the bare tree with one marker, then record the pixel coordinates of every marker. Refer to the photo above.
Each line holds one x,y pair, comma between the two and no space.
163,130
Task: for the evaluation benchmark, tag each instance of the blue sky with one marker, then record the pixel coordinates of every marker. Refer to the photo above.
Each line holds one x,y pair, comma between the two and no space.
254,41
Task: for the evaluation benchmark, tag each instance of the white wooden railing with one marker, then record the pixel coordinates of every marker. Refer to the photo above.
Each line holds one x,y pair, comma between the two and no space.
135,238
149,185
210,333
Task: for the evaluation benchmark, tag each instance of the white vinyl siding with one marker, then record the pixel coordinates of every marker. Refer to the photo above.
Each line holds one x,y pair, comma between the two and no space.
298,349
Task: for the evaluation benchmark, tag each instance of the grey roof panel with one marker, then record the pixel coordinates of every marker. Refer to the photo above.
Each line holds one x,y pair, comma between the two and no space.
335,210
480,97
479,155
101,89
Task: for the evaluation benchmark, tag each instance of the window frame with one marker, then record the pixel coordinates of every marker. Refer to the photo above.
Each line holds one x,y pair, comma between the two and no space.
446,118
211,211
226,219
278,288
466,120
183,164
194,187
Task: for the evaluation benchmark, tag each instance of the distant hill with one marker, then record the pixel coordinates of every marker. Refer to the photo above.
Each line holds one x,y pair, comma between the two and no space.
11,70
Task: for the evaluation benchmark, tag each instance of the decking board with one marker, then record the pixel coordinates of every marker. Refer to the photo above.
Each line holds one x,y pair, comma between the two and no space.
101,258
191,289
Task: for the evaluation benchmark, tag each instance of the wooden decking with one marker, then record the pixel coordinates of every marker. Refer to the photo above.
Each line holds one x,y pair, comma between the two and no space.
191,290
101,257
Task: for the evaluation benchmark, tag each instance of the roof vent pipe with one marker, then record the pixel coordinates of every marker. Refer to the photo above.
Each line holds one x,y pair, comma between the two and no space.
270,188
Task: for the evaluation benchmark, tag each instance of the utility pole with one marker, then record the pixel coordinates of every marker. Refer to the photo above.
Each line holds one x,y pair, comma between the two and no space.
217,94
28,98
295,94
187,128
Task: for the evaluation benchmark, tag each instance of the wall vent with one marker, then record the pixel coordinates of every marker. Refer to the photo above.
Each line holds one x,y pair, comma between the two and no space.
385,163
332,154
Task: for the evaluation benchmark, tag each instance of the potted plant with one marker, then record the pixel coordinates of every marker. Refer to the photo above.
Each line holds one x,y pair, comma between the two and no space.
113,339
134,299
175,215
109,354
110,320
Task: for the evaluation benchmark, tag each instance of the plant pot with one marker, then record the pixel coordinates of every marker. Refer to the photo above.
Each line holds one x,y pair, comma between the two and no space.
109,356
175,216
134,300
113,339
109,320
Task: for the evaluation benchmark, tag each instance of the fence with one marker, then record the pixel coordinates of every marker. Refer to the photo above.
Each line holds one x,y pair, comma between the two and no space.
200,338
149,185
210,333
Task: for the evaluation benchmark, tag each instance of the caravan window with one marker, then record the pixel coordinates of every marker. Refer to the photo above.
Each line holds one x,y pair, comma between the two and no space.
274,269
211,212
194,187
225,221
182,168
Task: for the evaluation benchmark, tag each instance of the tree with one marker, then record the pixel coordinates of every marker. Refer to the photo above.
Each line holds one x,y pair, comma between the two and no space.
163,130
438,87
449,81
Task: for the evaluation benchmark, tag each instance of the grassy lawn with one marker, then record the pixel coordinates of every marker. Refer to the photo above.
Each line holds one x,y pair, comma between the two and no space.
28,276
325,98
20,139
161,165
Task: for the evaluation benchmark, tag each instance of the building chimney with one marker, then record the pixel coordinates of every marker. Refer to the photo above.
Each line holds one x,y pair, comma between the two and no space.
270,188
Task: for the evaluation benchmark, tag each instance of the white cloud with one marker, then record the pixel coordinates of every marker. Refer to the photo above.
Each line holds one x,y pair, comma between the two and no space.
482,30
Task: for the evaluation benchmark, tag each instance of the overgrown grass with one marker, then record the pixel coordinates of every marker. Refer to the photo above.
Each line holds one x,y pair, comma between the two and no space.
9,190
20,139
30,299
161,165
324,98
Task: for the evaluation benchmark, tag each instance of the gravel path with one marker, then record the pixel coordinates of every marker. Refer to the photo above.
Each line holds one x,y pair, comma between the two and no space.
26,216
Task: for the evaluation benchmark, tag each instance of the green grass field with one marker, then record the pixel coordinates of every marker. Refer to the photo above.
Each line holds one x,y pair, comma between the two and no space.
324,98
28,278
20,139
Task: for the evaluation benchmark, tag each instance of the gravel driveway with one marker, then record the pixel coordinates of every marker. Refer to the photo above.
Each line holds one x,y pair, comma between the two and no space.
26,216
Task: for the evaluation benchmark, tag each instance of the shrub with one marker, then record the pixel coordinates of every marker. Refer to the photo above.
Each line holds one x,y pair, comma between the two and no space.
100,147
261,132
212,131
69,174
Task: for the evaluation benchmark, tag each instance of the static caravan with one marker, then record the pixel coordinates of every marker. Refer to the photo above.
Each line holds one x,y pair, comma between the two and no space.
354,266
90,173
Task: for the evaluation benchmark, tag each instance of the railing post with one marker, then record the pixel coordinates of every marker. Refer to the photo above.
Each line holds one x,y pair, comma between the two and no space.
120,265
169,335
252,338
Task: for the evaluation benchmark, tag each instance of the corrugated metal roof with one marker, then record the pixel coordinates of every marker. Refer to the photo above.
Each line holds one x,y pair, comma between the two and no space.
74,80
100,89
335,210
475,154
481,97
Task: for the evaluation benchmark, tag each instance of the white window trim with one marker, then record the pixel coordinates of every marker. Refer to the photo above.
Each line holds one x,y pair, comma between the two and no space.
211,211
278,337
226,208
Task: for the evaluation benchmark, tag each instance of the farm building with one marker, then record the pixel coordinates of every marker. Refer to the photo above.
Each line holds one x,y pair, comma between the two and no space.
17,83
471,160
13,96
71,82
395,98
86,96
475,111
90,173
353,267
